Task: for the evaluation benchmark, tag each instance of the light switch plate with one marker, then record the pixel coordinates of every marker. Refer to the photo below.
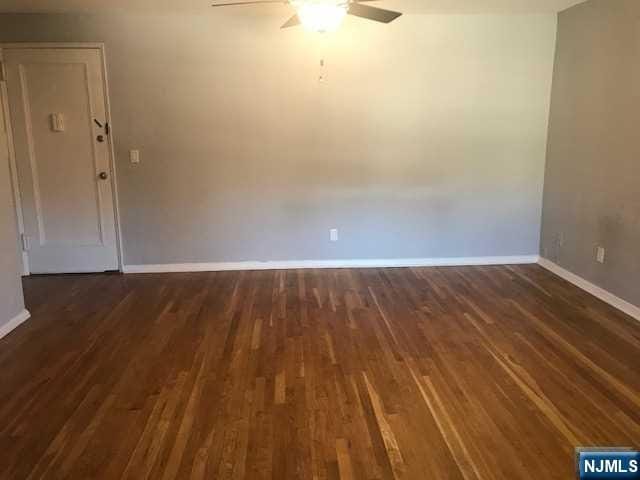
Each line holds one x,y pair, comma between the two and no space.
134,156
57,122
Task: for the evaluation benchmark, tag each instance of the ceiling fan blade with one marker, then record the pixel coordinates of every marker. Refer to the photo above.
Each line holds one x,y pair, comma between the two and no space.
373,13
255,2
292,22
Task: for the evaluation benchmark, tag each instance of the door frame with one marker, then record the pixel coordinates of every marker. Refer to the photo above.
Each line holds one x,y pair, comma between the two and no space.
12,159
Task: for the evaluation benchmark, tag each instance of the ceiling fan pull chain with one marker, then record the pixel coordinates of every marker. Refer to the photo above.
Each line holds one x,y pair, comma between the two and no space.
322,47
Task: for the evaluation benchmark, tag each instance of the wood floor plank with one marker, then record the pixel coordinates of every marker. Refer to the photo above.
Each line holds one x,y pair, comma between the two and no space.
492,372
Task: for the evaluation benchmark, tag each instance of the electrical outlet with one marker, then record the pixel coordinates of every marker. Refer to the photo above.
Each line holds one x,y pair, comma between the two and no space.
333,234
600,254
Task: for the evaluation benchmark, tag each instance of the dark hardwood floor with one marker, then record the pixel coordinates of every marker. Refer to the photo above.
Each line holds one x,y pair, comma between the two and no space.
422,373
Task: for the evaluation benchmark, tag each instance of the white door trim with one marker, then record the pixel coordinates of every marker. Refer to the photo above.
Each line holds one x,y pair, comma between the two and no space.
112,163
13,171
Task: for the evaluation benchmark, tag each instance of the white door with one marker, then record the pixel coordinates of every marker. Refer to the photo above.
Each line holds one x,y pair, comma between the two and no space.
59,118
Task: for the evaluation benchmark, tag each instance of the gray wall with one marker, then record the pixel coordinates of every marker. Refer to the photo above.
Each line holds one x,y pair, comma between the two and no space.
592,186
427,140
11,302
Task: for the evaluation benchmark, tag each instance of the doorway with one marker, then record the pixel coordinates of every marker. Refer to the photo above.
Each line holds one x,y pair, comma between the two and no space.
59,110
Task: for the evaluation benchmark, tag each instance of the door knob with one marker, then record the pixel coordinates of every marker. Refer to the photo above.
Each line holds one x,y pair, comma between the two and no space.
100,138
103,175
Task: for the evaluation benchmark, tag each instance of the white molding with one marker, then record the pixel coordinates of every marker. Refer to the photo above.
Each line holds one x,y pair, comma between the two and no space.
604,295
13,170
112,160
22,317
303,264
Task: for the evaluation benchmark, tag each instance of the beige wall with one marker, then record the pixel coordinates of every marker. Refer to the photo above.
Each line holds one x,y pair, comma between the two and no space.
11,302
427,140
592,186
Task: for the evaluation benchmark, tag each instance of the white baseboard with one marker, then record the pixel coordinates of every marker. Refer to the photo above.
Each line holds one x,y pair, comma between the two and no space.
23,316
302,264
604,295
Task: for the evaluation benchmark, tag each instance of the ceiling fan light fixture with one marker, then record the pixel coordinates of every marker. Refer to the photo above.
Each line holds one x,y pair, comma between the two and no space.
321,15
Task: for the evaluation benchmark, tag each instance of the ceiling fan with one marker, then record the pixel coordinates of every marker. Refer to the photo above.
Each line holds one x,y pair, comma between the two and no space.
324,15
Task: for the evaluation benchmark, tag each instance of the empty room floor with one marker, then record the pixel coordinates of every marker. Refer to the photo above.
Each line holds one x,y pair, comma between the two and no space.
421,373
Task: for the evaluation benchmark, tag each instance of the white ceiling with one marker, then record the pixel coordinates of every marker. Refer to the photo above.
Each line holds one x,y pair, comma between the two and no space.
407,6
